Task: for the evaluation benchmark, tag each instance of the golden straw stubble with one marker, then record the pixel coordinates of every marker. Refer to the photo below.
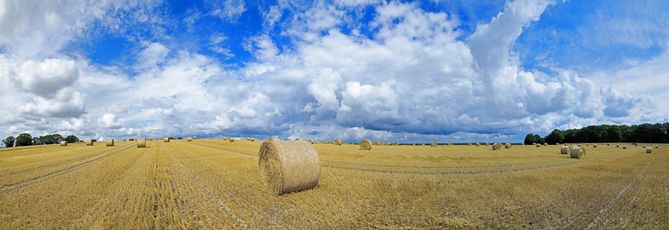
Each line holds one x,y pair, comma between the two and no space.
366,145
289,166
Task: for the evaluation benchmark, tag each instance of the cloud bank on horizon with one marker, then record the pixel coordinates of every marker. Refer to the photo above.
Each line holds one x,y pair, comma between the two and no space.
427,71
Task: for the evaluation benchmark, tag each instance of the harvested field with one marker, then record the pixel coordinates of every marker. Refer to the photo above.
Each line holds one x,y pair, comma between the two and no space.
215,184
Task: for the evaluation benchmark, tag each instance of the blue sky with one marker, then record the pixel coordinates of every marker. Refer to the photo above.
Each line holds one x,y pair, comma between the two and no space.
446,71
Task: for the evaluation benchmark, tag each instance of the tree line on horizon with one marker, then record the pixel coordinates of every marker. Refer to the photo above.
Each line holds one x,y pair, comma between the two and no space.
26,139
645,133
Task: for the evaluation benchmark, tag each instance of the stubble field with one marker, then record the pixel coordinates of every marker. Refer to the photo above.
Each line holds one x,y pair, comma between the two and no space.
215,184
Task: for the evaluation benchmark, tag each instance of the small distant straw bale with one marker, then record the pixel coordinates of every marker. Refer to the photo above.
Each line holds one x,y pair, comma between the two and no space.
434,144
496,146
231,139
624,146
478,144
508,145
110,142
166,139
189,139
63,143
89,142
649,150
337,142
594,145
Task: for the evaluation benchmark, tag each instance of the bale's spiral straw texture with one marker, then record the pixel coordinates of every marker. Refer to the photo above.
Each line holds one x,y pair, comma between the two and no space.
288,166
189,139
110,142
649,150
141,143
365,145
577,152
434,144
89,142
337,142
496,146
624,146
564,150
508,145
166,139
63,143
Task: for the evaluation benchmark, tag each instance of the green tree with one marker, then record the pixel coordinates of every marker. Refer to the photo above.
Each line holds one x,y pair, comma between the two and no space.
57,138
71,139
529,139
9,141
24,139
555,137
36,141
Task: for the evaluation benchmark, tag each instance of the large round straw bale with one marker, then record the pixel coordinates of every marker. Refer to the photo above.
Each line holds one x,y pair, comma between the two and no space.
365,145
189,139
496,146
288,166
110,142
478,144
594,145
337,142
150,138
166,139
89,142
577,152
434,144
564,150
231,139
649,150
141,143
624,146
63,143
508,145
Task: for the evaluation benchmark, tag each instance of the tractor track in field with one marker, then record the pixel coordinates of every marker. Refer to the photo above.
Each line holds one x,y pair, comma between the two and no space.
62,171
432,167
604,211
53,164
220,202
255,210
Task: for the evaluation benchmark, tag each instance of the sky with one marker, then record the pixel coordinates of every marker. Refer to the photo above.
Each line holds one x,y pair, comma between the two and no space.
396,71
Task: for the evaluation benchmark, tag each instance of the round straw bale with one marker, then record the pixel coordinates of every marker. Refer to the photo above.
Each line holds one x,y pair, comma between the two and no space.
617,145
89,142
110,142
649,150
123,139
624,146
434,144
194,137
366,145
470,144
508,145
166,139
337,142
396,144
141,143
657,146
564,150
377,143
288,166
565,144
534,143
577,152
587,144
487,144
414,144
450,144
545,144
387,143
63,143
644,146
189,139
579,145
423,144
161,138
496,146
271,139
150,138
608,144
636,144
478,144
538,145
594,145
311,141
232,139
